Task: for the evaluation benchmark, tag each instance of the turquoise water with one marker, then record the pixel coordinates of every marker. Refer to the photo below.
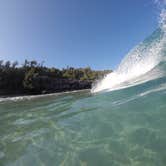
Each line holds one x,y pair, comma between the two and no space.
120,128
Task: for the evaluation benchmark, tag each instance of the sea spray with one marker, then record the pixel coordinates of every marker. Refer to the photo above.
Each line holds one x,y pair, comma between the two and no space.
138,62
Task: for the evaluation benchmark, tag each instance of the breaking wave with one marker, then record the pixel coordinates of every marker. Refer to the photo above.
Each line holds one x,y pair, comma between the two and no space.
141,64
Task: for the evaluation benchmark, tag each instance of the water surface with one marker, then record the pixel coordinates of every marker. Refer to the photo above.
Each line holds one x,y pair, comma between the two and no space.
124,127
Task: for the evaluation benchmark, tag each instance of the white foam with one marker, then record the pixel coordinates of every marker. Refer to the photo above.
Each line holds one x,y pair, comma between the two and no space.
162,87
139,61
20,98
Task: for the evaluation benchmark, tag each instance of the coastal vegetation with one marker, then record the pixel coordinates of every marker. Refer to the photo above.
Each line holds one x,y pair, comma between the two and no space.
34,78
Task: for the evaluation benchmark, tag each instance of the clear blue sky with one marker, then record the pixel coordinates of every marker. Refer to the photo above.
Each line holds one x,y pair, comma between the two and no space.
78,33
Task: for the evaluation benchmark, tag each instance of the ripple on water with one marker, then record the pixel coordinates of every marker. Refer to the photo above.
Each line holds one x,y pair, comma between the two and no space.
2,155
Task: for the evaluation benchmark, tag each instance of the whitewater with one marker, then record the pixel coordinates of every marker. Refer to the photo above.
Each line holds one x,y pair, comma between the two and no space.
120,122
141,64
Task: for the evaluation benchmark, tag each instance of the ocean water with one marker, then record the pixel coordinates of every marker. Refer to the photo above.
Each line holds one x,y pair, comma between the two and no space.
119,128
124,127
120,122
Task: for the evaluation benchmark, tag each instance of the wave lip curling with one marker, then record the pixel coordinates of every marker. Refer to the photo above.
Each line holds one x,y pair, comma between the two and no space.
138,62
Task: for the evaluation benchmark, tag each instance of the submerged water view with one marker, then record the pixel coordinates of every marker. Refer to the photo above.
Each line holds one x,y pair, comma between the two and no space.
120,128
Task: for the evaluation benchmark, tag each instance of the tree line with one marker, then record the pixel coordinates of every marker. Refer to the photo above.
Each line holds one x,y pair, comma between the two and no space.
16,77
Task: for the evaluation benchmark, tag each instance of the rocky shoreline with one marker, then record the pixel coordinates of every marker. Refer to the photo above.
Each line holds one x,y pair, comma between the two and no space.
44,85
32,78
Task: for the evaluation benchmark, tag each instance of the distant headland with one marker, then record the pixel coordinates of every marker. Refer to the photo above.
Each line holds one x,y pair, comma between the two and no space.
34,78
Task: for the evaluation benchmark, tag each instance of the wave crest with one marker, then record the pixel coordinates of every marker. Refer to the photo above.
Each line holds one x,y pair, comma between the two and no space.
139,61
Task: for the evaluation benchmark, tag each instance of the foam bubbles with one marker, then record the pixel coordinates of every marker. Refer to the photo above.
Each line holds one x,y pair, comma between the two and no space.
140,60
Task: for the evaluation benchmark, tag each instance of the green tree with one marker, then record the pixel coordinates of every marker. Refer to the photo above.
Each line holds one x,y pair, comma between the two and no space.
28,81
